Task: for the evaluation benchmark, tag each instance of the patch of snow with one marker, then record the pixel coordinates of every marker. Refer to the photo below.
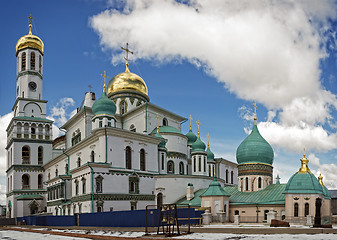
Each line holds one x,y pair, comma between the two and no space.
36,236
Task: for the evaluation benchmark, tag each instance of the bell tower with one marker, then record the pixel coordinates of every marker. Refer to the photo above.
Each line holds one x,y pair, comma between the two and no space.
29,134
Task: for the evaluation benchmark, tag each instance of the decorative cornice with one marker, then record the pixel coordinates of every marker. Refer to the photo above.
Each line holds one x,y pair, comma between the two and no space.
29,73
26,191
115,197
176,155
26,168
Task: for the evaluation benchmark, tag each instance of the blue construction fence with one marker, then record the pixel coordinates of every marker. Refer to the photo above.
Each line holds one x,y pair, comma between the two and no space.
136,218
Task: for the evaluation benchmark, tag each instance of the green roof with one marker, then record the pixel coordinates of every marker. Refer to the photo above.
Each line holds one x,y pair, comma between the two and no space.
166,129
162,144
104,106
198,146
326,192
29,196
210,155
303,182
272,194
32,118
255,149
191,137
215,189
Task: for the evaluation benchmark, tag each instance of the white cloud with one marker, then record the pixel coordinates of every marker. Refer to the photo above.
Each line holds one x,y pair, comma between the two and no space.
328,171
60,114
4,121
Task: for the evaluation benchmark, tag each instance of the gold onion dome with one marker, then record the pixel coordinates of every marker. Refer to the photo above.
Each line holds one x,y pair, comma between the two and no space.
31,41
127,81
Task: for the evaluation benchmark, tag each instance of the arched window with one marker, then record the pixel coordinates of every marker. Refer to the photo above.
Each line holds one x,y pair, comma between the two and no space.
165,122
195,164
123,107
259,182
40,155
40,181
265,215
306,209
296,210
78,162
66,169
247,184
226,175
181,168
142,159
23,61
199,164
170,167
92,156
236,212
209,170
83,185
25,155
162,161
25,181
205,169
99,184
159,200
128,160
56,172
76,187
40,63
232,177
32,61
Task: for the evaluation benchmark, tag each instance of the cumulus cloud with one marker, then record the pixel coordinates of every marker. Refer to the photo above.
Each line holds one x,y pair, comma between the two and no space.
60,114
4,121
328,171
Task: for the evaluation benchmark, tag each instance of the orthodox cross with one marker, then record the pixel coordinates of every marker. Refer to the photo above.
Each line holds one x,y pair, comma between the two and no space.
208,139
190,122
157,117
255,118
90,87
30,18
198,123
127,55
105,77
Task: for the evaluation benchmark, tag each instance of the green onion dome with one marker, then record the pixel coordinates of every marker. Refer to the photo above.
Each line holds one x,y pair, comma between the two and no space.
255,149
304,181
104,106
162,144
198,146
191,137
210,155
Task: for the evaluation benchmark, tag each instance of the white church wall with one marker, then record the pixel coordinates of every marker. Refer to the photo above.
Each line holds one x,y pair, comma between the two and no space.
175,143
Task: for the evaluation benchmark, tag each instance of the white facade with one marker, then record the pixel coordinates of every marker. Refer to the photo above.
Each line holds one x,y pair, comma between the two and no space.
103,162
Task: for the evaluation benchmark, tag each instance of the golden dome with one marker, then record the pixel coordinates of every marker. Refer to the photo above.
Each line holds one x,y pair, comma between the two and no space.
29,40
127,81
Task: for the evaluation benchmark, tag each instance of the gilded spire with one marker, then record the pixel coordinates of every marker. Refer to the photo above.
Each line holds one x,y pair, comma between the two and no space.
208,140
190,122
105,77
157,117
320,179
30,24
255,118
198,122
304,165
127,57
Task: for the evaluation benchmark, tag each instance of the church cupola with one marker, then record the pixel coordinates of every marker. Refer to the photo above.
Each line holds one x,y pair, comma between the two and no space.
255,157
127,89
199,156
29,54
104,110
210,160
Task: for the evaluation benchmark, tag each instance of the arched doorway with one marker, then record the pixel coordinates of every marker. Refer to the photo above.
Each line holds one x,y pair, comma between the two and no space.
159,200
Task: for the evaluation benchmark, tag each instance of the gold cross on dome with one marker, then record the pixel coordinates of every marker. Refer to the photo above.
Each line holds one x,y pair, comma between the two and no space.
105,77
190,122
157,117
198,123
127,56
208,139
30,18
255,118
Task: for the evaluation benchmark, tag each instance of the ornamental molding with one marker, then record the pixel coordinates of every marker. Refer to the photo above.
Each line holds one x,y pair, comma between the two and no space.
29,73
176,155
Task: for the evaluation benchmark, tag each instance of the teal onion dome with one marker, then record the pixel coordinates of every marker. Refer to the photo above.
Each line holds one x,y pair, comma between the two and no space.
191,137
255,149
215,189
198,146
104,106
210,155
162,144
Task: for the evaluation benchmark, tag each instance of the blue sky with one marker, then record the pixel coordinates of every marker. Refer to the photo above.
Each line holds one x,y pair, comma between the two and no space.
210,60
